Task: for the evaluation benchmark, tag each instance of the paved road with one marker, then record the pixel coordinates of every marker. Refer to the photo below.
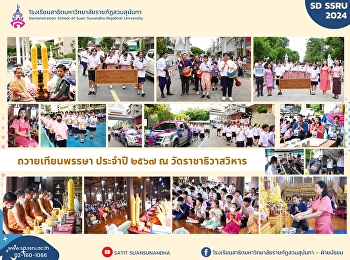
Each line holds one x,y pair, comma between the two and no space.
302,95
197,143
239,94
116,143
116,94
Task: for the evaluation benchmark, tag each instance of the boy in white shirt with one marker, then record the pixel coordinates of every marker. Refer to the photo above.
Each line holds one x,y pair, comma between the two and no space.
264,137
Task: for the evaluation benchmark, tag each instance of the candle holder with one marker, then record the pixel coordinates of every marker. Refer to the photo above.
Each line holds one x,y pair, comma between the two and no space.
133,226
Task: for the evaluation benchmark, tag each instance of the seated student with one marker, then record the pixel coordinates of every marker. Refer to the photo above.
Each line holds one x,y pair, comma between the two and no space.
214,216
253,222
188,199
227,207
9,202
16,216
91,219
233,221
182,210
246,211
299,206
199,213
102,212
315,164
238,198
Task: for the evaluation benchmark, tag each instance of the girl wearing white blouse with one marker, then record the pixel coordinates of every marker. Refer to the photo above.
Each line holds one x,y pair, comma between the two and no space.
314,72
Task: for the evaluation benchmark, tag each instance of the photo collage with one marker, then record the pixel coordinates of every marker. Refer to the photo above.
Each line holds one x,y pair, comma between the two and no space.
283,96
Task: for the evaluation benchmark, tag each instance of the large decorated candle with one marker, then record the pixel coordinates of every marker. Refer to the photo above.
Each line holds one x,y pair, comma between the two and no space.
345,189
132,211
137,207
45,64
34,59
278,191
71,195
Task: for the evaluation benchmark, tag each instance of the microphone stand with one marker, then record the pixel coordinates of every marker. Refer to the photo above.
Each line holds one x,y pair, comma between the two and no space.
58,202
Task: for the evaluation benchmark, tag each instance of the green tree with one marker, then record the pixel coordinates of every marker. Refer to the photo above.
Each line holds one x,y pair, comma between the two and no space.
142,46
196,51
83,41
152,109
164,115
261,110
196,114
107,43
315,49
162,44
335,47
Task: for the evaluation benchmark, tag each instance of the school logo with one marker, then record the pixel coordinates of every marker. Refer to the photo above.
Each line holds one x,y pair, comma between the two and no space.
206,251
17,18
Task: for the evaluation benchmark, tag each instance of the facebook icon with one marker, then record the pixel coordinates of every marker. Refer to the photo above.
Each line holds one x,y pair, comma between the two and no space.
206,252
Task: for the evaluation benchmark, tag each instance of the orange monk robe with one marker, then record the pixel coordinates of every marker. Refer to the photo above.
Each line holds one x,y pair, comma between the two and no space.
47,206
158,219
5,211
253,228
14,227
42,206
33,213
28,213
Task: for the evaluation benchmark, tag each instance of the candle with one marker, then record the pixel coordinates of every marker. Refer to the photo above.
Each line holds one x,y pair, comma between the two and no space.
137,207
45,64
345,188
132,211
34,58
70,194
278,191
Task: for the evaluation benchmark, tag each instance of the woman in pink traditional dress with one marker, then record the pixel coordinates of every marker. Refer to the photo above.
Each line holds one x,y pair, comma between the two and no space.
337,77
21,129
325,72
268,79
321,210
18,87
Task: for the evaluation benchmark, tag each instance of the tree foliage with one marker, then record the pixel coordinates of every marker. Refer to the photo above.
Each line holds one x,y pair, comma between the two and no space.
275,48
83,41
196,51
164,115
152,109
162,43
195,114
318,49
107,43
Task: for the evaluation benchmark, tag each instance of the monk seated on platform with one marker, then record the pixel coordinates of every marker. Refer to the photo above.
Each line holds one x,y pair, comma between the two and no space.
36,207
158,218
9,202
16,216
28,207
42,202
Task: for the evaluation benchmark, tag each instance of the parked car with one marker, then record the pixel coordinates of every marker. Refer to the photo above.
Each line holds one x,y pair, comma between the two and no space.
170,134
150,63
130,137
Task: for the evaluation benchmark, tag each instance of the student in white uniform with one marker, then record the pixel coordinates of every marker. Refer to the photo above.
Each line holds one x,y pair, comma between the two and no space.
249,134
228,134
92,124
112,61
256,133
340,163
140,64
264,136
240,136
271,137
279,71
314,74
75,125
201,132
82,121
94,63
124,62
330,165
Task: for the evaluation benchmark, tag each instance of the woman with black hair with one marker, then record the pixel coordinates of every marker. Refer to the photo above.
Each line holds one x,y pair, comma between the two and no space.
21,128
321,210
271,170
61,92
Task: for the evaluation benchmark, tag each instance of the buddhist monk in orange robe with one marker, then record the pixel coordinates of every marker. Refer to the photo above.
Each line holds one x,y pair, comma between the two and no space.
9,202
158,218
16,216
42,203
35,207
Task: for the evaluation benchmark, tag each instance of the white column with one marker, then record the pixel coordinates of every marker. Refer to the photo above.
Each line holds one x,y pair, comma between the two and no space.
23,52
18,50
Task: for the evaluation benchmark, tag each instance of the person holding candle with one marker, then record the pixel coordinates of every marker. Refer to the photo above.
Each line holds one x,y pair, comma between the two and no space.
18,87
21,128
321,210
82,121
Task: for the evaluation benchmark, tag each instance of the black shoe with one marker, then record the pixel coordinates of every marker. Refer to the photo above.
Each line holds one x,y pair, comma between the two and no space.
212,88
258,95
93,92
83,74
216,88
182,94
194,88
261,94
90,92
203,96
143,94
208,97
162,96
187,93
170,94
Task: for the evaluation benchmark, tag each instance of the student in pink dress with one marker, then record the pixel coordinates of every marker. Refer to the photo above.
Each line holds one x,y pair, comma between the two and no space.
233,221
321,210
268,79
325,77
21,128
